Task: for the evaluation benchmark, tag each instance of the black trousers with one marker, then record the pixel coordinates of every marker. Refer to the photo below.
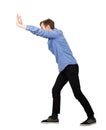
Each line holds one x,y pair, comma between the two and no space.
70,73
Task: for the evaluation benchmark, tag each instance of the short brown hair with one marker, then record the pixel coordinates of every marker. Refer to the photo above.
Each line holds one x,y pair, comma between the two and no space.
48,22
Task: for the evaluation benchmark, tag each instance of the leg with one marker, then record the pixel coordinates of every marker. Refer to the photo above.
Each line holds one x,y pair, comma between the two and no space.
60,82
72,75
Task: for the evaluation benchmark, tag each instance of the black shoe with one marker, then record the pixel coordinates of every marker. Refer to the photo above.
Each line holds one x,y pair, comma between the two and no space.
51,120
89,121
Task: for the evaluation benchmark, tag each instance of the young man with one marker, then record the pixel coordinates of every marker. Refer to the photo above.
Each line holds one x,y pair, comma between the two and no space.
67,65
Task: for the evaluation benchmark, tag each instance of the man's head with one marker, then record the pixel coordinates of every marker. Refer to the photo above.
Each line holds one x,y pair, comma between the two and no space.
47,24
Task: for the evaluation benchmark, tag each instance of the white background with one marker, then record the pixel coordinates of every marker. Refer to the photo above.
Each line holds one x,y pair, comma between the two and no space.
28,70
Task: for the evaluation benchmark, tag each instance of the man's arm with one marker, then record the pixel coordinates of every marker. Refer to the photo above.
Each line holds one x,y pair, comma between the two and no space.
41,32
37,31
19,22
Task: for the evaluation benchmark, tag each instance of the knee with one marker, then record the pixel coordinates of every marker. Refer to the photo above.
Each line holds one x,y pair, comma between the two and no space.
55,92
78,95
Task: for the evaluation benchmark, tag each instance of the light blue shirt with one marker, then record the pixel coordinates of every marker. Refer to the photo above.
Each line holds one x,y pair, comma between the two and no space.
57,44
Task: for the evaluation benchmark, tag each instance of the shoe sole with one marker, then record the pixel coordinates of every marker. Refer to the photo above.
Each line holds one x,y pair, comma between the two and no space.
49,122
88,124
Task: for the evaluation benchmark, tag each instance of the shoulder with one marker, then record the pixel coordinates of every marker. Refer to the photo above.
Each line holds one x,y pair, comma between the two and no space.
58,31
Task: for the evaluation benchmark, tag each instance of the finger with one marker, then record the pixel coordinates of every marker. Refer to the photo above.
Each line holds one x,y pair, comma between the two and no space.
20,20
17,20
18,16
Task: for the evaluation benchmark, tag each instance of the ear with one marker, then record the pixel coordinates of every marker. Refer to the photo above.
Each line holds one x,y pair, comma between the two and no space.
48,27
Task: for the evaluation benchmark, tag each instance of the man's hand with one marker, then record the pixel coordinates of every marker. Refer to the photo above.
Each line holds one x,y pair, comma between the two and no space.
19,22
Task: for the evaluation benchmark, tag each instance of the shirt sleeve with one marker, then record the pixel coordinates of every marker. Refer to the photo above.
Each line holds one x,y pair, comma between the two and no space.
41,32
